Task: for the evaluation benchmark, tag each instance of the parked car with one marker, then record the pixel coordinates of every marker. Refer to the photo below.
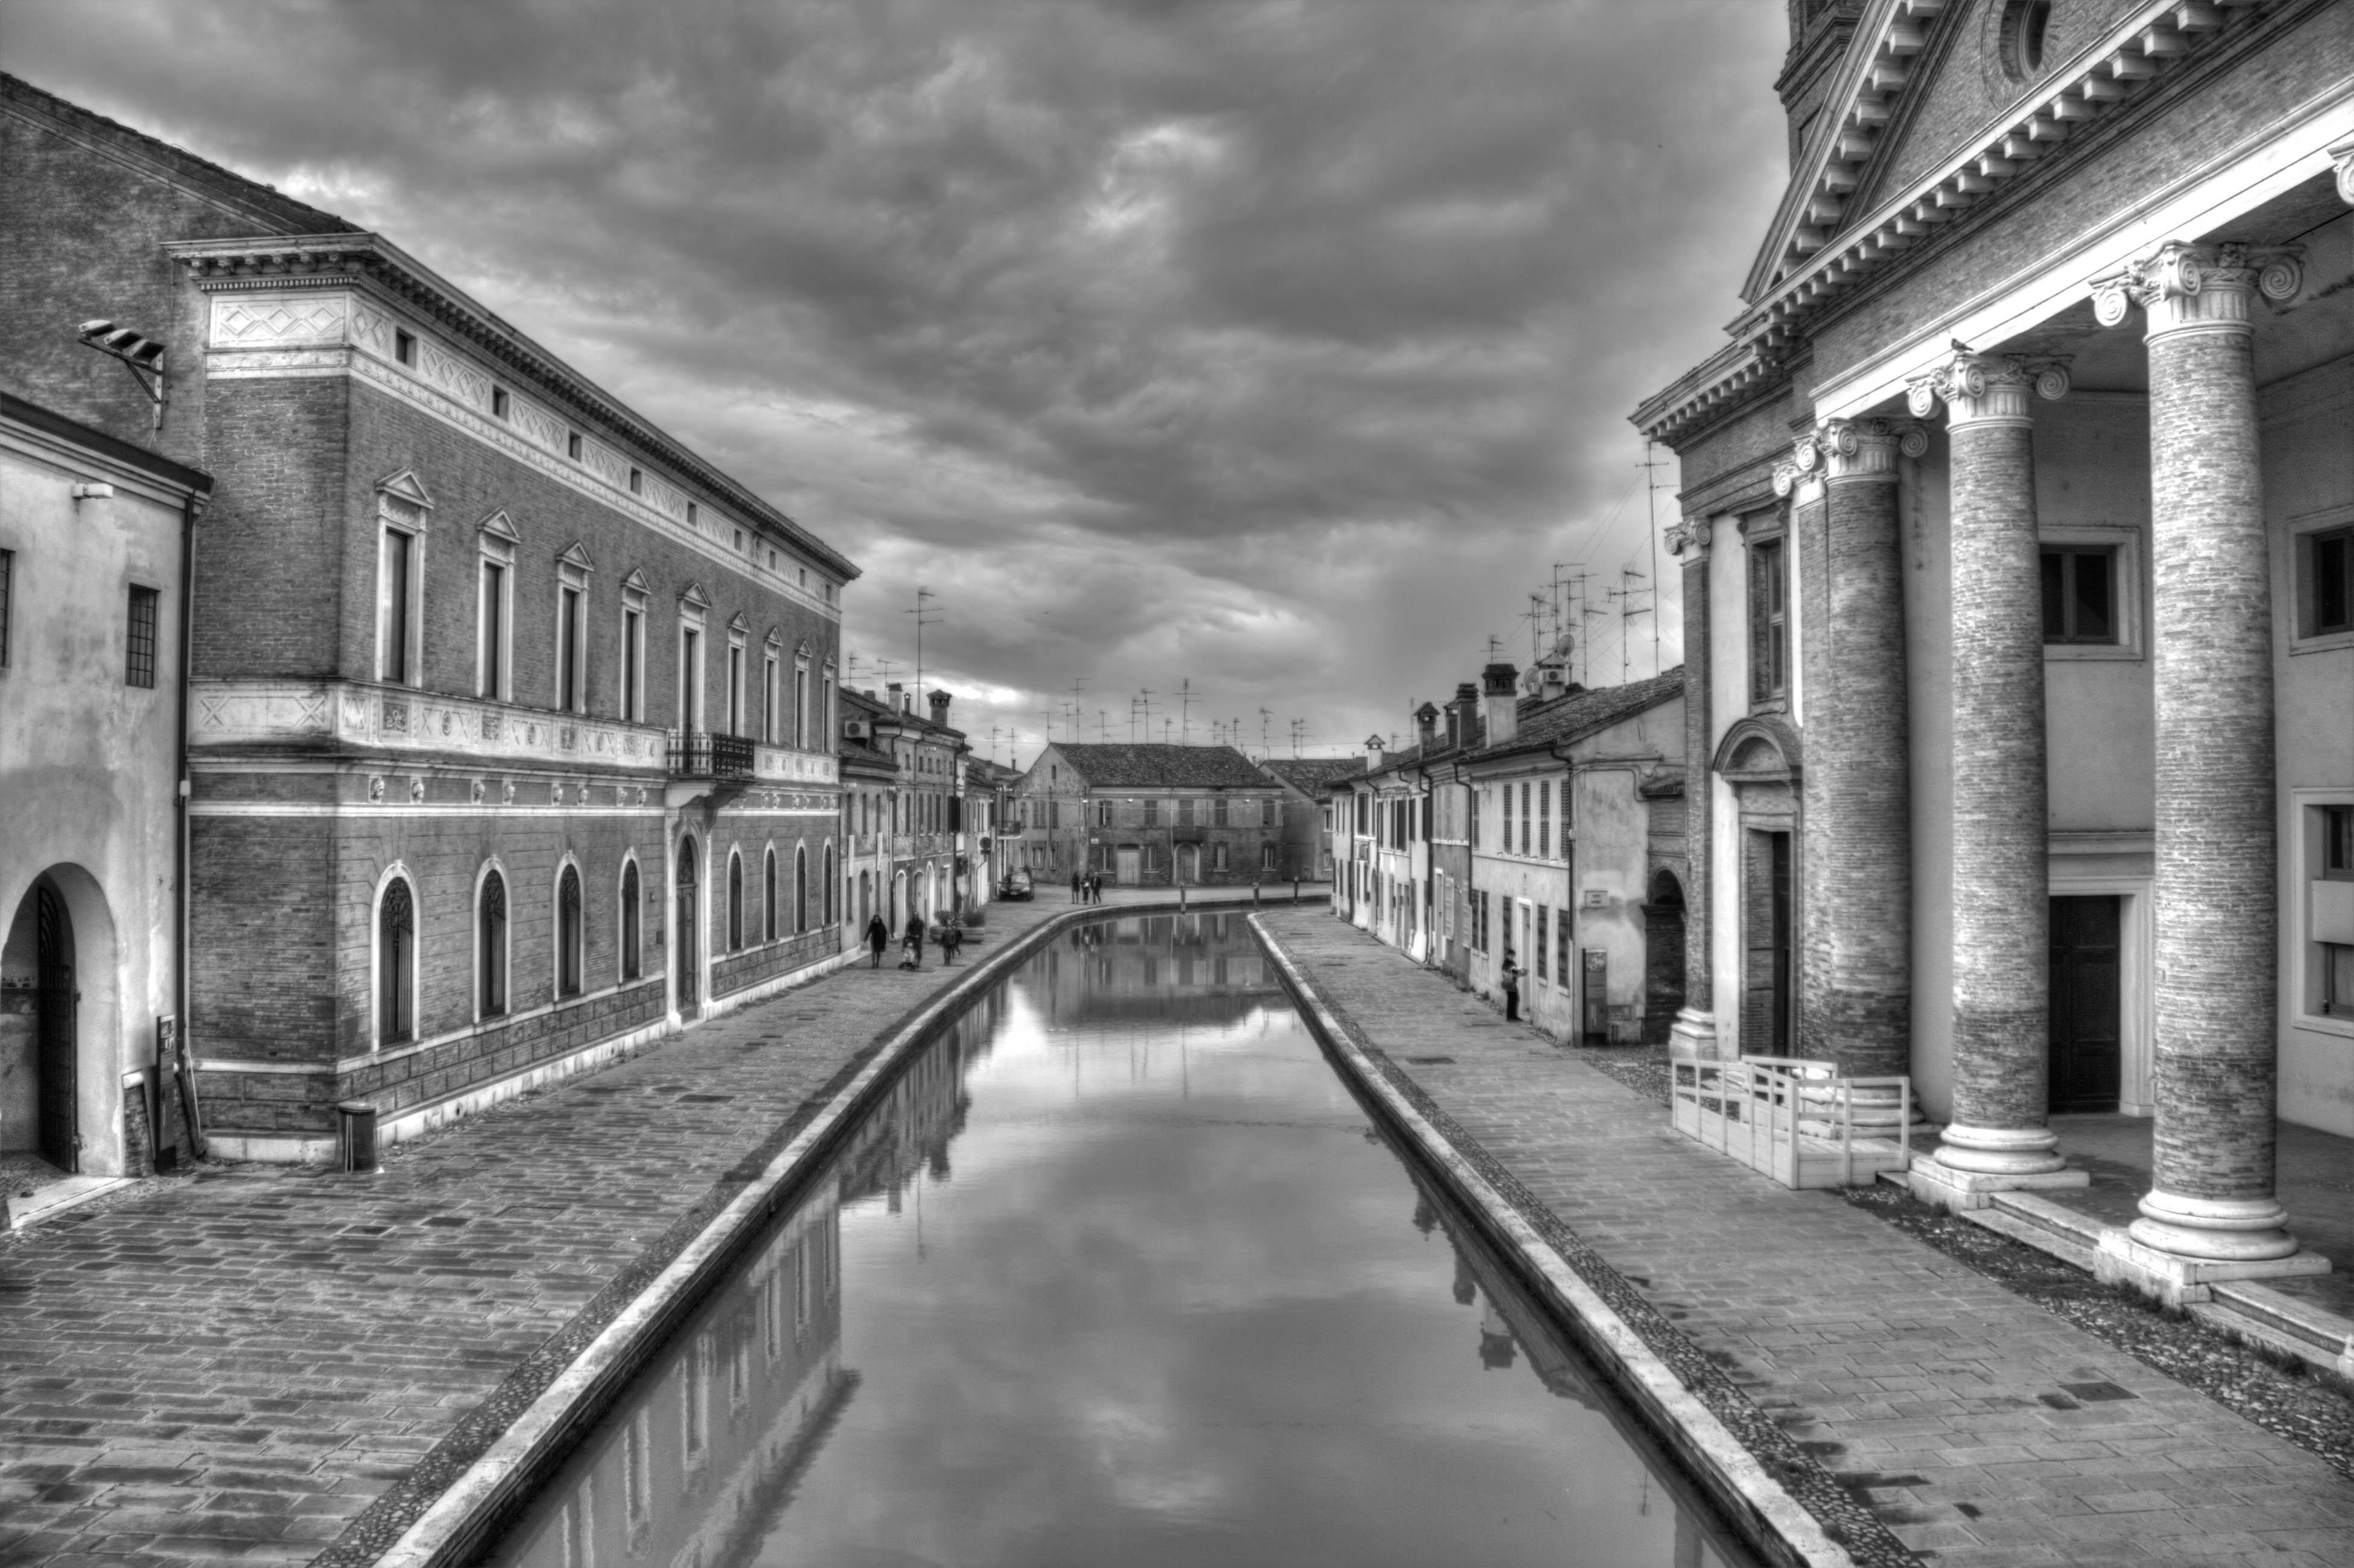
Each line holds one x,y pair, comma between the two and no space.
1015,888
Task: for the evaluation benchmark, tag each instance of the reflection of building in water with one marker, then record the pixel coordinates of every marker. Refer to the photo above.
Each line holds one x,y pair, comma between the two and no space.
920,1114
1200,968
717,1434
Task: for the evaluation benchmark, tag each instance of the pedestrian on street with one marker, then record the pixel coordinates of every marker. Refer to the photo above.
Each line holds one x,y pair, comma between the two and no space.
1077,887
951,939
878,936
1095,888
1511,982
914,943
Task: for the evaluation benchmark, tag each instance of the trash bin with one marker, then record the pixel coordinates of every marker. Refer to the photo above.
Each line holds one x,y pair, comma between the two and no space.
359,1120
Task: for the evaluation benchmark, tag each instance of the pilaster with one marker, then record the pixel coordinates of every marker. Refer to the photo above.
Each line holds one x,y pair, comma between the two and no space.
1694,1030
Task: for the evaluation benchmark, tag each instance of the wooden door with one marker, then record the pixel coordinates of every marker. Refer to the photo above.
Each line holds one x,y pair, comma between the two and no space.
56,1067
1131,868
2085,1043
1765,939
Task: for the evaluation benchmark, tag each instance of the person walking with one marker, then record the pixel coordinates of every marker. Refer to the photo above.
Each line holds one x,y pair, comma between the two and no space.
1076,885
1511,984
913,957
951,939
878,936
1095,888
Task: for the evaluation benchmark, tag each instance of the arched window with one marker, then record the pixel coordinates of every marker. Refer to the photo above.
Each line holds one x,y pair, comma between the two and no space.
768,894
568,932
395,965
491,927
631,961
801,888
830,917
735,901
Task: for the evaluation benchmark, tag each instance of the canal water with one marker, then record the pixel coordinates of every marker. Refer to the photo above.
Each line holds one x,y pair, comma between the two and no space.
1118,1272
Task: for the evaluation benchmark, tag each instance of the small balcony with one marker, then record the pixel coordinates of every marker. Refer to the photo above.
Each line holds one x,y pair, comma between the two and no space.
702,763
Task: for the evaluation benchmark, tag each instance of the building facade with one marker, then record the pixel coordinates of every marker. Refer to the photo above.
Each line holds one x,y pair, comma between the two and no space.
924,867
1151,816
510,716
94,537
1308,783
2024,678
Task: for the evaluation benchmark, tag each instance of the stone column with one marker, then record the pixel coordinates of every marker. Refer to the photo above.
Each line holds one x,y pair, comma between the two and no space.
1695,1026
2210,1195
1869,850
2000,1136
1815,712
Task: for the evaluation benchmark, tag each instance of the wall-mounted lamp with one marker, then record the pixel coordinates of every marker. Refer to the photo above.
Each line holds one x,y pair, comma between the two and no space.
142,356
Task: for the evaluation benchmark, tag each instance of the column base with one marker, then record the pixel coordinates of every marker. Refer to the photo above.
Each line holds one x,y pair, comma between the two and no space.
2214,1230
1693,1034
2000,1150
1958,1192
2179,1281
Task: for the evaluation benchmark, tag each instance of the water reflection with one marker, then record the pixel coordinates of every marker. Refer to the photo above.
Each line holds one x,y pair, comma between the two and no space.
1165,1308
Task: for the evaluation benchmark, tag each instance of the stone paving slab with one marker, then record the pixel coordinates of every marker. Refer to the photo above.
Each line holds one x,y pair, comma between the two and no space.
1927,1389
236,1364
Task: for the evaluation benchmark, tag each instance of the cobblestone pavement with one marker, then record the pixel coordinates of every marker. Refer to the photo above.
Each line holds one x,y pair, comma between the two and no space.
1983,1430
233,1365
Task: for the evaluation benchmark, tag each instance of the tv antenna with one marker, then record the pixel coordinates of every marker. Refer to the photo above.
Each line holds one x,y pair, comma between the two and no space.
924,616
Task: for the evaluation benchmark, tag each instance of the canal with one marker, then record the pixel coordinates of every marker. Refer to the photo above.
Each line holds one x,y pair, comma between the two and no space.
1119,1271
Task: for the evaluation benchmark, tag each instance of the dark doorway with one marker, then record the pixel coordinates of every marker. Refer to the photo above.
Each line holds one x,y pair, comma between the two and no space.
1766,994
1663,957
683,928
2085,1046
61,1145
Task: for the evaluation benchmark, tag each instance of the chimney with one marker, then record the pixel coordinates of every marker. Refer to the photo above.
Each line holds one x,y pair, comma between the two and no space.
939,701
1425,725
1375,753
1550,678
1497,690
1459,711
898,697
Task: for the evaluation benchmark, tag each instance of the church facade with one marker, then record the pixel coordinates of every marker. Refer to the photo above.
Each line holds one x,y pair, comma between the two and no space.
2015,543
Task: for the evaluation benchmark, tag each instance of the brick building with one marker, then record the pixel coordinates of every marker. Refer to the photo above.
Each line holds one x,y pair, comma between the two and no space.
511,717
94,543
2024,677
1155,816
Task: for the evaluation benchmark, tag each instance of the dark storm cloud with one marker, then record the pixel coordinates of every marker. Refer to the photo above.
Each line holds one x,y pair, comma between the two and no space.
1283,346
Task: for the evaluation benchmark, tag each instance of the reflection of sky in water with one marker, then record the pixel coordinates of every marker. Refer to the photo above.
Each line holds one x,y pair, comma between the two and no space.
1172,1303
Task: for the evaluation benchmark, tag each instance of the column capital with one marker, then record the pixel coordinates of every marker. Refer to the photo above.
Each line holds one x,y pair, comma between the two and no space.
1841,449
2341,155
1689,539
2197,288
1985,389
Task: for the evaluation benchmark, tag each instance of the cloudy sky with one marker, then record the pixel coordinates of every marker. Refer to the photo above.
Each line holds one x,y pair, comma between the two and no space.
1279,348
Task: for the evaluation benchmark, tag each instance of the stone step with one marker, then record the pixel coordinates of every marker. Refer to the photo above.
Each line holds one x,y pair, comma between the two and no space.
2061,1241
2285,1321
61,1196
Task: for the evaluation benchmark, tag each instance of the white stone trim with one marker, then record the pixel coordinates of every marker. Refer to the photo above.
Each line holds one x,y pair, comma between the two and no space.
396,719
2130,591
397,869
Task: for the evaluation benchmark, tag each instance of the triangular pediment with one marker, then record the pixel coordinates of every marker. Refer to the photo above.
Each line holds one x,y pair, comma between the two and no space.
499,525
696,597
775,639
738,623
576,555
1895,46
406,486
636,581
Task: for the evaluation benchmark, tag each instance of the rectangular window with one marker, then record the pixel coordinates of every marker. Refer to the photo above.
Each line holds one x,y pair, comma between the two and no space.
735,688
2080,595
1524,819
492,645
1506,845
633,661
1103,813
1769,629
568,650
572,445
801,708
1267,857
768,699
637,481
690,665
2326,565
2337,842
1185,812
1152,813
2336,979
404,347
395,605
498,403
1266,813
7,599
1544,819
139,662
1540,943
1218,811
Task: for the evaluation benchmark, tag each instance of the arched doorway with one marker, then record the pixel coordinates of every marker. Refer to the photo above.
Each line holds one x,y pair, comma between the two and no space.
686,924
1663,956
56,992
898,902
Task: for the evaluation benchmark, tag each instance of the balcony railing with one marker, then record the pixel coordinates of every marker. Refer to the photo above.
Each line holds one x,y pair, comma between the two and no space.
699,754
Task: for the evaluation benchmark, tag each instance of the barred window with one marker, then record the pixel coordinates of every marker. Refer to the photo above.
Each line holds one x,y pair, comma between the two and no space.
1218,812
396,965
629,953
139,666
490,930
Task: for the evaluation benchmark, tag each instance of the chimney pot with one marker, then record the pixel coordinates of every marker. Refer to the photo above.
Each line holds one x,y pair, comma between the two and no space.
1498,683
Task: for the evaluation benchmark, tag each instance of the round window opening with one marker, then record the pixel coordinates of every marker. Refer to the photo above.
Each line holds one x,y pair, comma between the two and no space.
2026,28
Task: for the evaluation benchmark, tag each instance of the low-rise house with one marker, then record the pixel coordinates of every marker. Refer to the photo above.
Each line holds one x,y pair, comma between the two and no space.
918,813
1307,811
1155,816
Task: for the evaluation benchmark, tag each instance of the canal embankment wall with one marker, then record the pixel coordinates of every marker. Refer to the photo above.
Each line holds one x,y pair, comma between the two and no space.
1912,1405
